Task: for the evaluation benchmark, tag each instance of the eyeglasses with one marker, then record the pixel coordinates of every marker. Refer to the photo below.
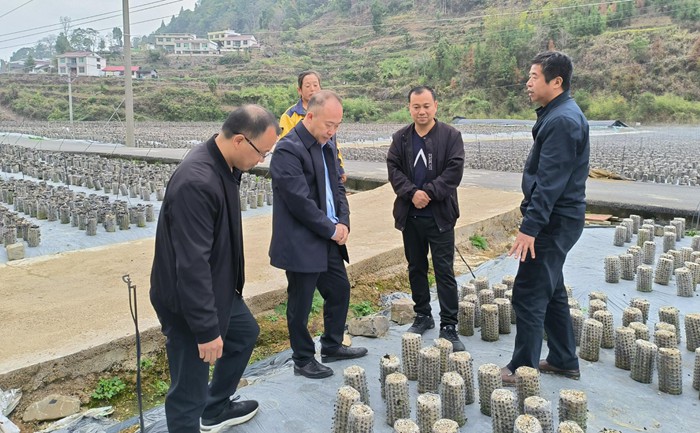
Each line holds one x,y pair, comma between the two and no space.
262,155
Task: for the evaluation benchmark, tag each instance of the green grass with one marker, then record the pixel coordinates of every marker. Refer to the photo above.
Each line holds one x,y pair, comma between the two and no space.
316,303
479,242
107,389
364,308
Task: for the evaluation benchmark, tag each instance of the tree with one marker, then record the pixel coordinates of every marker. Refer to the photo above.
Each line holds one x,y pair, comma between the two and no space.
117,36
65,23
62,44
22,53
29,63
84,39
378,11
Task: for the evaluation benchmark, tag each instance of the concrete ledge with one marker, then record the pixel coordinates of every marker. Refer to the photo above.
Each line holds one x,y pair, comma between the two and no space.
624,210
117,353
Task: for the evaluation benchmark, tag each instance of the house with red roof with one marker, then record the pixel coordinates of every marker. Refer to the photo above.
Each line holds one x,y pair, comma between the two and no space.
118,71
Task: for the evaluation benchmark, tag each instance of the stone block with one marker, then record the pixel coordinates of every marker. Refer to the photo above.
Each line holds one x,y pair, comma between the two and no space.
402,311
15,251
54,406
369,326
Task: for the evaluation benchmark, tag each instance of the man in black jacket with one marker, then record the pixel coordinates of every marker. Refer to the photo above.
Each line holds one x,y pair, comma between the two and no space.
310,226
425,164
554,206
198,275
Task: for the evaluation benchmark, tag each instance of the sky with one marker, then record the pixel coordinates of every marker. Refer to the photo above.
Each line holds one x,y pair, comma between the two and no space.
24,22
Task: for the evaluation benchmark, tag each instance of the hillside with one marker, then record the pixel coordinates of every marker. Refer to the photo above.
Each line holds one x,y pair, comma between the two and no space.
635,60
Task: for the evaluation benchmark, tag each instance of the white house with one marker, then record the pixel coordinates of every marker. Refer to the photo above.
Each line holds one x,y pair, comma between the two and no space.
194,46
228,40
81,63
167,41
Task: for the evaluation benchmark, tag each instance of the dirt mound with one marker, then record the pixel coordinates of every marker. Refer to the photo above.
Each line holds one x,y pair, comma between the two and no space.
601,173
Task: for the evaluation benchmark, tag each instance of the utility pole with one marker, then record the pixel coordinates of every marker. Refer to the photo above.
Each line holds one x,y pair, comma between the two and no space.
128,89
70,99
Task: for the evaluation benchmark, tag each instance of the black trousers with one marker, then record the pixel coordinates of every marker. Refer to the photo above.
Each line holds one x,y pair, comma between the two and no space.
540,300
189,397
334,287
420,234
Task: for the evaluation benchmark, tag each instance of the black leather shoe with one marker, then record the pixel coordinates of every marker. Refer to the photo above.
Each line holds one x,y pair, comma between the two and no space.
313,370
344,352
421,324
547,368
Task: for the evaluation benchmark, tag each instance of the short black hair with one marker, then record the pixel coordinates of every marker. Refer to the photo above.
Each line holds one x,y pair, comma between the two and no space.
555,64
300,78
250,120
420,89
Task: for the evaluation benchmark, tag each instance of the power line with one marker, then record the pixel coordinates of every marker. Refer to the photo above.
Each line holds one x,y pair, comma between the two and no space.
99,30
77,21
92,21
23,4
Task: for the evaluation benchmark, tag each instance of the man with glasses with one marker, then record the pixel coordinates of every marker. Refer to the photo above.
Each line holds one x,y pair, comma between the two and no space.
310,227
198,275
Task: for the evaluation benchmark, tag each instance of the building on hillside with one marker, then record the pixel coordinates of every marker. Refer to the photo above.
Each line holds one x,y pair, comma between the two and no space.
228,40
15,67
197,46
148,72
81,63
41,66
118,71
167,41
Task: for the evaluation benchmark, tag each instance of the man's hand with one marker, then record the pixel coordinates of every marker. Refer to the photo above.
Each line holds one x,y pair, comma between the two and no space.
522,245
343,177
211,351
341,234
420,199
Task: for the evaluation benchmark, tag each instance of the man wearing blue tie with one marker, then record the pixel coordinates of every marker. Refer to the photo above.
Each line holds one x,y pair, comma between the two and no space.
310,227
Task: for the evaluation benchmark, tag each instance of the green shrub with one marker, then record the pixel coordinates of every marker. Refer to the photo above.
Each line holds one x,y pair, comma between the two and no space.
360,109
364,308
479,242
604,107
160,388
107,389
399,116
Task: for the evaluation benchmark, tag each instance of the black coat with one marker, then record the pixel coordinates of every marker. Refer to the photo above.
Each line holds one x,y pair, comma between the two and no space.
300,228
198,264
445,148
554,179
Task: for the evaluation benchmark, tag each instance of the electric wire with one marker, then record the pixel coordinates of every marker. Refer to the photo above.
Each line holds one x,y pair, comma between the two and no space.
12,10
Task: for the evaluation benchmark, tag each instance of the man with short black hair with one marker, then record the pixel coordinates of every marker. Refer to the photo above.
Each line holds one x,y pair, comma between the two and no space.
425,165
553,208
310,227
198,275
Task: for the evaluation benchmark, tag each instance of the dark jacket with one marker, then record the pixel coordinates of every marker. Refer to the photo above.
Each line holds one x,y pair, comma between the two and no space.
445,153
554,179
198,264
300,228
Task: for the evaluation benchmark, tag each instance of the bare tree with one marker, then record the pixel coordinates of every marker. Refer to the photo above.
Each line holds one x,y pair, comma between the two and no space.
65,22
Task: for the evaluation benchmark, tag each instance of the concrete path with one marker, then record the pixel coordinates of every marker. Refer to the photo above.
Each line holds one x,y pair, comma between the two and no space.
58,305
